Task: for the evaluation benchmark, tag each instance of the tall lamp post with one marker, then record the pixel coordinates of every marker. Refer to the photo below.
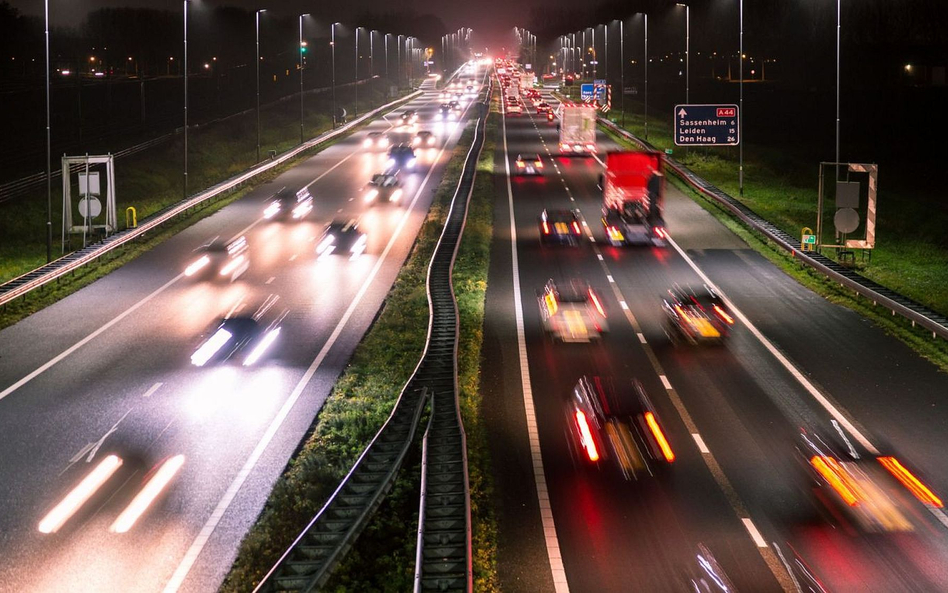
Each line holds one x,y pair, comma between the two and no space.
332,44
740,114
622,68
257,22
356,110
49,150
687,49
385,39
185,98
839,17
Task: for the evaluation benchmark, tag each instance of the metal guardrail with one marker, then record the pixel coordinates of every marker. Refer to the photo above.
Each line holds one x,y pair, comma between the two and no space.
443,553
308,562
41,276
895,302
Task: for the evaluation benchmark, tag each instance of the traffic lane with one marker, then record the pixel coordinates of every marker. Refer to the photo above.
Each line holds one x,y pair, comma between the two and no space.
791,406
530,196
671,513
49,332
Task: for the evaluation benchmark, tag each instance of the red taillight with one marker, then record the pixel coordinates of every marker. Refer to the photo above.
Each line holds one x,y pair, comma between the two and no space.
546,228
723,315
659,437
585,435
908,480
595,300
576,230
520,164
660,232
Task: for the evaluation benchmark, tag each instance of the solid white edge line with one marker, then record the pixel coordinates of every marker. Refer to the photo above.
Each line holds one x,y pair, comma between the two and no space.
197,546
665,382
791,368
88,338
752,530
151,390
700,442
546,511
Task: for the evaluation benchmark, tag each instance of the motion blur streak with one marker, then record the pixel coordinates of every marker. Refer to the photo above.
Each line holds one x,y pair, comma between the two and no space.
262,347
148,494
586,436
908,480
659,437
194,267
834,475
232,265
595,301
210,347
80,494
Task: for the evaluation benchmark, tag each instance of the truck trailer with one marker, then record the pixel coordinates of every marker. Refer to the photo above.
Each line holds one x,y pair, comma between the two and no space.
577,129
633,198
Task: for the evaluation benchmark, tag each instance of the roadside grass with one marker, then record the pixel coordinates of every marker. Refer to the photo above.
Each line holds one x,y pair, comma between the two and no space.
152,179
911,253
920,340
383,556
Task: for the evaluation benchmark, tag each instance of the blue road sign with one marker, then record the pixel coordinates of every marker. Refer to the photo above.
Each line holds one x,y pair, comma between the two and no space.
587,92
706,125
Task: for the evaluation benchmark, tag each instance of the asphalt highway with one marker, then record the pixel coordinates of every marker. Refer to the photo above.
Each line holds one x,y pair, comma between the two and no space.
733,414
100,387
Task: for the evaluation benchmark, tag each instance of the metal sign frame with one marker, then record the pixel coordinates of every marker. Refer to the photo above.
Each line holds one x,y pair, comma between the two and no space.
111,219
869,242
735,130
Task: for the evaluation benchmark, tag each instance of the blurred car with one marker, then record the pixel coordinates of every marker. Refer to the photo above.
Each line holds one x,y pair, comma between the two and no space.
378,140
220,261
874,491
423,139
573,314
246,337
342,238
622,426
455,106
446,113
528,164
401,156
560,226
287,204
543,107
704,574
696,316
383,186
409,117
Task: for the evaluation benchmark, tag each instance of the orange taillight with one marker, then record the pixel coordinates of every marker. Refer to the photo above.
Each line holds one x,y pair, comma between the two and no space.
596,302
659,437
835,475
723,315
908,480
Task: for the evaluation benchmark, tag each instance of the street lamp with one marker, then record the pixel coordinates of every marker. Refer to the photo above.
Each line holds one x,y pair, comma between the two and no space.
302,49
49,150
356,111
622,68
385,38
687,48
740,111
332,44
185,98
838,26
257,23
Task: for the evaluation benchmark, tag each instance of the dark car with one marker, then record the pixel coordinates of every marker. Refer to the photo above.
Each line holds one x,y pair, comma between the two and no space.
219,260
529,164
696,316
572,313
287,204
424,139
342,238
621,425
445,112
409,117
246,337
401,156
560,226
377,140
383,186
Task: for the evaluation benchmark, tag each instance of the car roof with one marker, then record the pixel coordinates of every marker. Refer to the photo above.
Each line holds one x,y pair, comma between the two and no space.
559,215
526,156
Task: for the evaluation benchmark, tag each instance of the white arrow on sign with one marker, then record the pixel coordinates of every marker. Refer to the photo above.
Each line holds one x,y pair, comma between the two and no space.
682,113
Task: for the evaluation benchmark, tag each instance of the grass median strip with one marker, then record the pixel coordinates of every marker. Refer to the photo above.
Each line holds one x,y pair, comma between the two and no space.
383,557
